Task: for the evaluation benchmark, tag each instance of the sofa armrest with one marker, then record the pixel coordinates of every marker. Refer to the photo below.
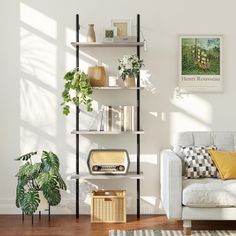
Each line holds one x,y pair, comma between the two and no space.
171,184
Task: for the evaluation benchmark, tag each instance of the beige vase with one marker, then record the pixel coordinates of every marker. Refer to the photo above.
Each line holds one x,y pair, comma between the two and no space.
91,37
129,81
97,76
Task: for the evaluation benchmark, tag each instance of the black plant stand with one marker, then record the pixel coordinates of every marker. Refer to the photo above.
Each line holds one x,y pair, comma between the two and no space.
32,217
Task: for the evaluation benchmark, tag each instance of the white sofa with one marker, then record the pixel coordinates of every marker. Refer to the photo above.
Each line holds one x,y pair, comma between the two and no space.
197,199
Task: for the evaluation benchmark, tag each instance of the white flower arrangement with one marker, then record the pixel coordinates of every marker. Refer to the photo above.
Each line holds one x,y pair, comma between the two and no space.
130,66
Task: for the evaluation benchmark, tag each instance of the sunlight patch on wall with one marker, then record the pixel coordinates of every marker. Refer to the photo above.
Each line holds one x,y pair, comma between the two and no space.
149,158
38,20
34,141
145,81
37,105
38,58
71,36
195,115
196,108
38,82
85,146
150,200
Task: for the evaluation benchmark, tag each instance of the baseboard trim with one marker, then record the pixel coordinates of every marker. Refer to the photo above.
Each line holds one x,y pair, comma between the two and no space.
67,206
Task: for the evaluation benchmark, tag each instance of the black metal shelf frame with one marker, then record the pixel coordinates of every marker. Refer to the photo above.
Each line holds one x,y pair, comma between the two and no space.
138,121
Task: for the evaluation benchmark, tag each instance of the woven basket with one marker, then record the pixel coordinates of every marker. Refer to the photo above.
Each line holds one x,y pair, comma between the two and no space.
108,206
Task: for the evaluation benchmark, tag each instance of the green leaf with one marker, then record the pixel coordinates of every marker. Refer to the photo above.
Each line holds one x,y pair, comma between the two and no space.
52,193
30,202
69,75
50,188
61,182
26,157
66,110
46,178
50,161
35,170
20,191
24,170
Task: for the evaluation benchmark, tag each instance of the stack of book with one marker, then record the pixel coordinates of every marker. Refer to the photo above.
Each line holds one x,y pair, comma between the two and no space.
116,118
119,118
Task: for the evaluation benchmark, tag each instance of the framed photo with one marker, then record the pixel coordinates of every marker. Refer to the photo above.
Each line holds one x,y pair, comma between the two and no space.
109,33
200,63
123,27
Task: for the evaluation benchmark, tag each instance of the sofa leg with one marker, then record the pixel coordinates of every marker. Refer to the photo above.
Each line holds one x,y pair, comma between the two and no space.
187,226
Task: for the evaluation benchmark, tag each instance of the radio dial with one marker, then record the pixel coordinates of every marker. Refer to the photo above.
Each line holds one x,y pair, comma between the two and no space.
120,168
96,168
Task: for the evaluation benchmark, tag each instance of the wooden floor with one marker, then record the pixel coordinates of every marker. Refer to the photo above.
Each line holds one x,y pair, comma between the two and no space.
67,225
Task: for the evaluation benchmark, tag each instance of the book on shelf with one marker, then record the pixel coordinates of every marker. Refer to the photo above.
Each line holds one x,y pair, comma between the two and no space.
115,118
129,118
119,118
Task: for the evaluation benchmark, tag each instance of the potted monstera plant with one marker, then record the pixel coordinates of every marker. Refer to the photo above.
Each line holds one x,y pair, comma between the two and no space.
77,90
34,178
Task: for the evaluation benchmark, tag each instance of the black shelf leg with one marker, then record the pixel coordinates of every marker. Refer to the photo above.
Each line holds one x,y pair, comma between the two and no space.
23,216
77,122
138,121
49,213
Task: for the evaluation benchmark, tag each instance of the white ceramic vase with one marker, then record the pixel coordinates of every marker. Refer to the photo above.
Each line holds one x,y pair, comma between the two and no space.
129,81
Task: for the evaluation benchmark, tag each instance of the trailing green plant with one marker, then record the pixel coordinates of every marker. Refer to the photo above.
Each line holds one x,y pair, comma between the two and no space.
40,176
77,90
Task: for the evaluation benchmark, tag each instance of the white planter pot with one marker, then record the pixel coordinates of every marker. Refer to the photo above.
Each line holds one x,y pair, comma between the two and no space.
43,205
129,82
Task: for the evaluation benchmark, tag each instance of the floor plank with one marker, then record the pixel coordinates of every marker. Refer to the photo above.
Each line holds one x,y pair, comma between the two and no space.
67,225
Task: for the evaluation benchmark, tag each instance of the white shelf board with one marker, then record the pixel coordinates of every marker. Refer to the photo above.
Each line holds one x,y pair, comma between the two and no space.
117,88
105,132
108,44
129,175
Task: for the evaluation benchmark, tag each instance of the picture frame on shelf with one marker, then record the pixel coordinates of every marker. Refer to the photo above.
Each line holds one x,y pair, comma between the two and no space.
109,33
200,63
123,27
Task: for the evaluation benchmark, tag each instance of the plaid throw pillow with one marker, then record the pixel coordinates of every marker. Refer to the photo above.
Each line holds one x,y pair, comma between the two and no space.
198,162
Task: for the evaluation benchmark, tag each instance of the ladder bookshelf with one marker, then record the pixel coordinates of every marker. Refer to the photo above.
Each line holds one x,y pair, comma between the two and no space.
137,175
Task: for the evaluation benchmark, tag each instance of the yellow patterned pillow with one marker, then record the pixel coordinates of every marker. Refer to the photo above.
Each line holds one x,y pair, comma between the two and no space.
225,163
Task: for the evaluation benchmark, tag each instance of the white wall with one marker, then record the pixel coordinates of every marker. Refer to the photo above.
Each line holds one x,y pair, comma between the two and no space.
35,52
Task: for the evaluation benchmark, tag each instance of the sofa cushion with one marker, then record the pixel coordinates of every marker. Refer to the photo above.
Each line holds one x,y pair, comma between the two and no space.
225,162
209,192
198,163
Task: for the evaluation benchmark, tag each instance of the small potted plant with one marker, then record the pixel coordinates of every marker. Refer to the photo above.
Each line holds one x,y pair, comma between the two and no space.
129,67
77,90
36,180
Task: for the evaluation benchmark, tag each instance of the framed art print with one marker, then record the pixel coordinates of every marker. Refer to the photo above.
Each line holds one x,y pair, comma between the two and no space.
123,27
109,33
200,63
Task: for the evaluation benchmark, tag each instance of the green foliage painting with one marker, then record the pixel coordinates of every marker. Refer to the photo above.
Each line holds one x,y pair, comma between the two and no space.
200,56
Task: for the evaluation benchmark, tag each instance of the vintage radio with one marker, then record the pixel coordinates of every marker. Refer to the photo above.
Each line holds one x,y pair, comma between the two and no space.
108,161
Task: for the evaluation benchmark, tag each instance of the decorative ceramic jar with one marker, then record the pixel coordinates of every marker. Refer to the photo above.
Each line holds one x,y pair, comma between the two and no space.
97,76
91,37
